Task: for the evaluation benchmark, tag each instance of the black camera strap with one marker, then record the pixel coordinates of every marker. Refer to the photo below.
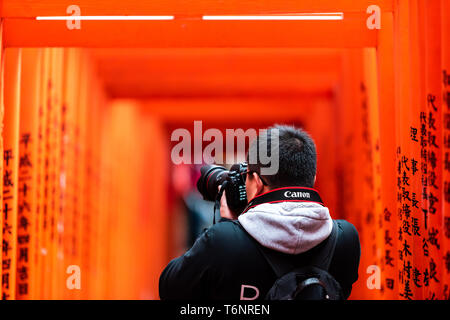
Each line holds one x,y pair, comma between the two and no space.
217,200
293,194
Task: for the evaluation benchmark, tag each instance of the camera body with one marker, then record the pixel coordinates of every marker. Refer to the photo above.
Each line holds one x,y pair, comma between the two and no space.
212,176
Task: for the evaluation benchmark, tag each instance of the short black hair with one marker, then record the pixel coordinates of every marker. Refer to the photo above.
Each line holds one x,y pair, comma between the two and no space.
297,157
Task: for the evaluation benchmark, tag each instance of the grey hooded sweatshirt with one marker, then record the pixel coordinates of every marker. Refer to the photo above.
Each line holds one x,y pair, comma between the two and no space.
288,227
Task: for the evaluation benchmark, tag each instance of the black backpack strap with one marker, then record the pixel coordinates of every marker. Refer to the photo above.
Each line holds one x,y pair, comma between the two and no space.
323,259
280,265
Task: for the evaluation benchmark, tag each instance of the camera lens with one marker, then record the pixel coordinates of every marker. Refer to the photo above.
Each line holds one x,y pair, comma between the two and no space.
211,177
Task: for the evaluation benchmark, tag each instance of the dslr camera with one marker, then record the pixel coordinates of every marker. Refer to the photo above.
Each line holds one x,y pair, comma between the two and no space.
232,182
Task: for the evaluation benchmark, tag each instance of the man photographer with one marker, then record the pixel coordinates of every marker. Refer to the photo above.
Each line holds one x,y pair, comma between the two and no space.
284,224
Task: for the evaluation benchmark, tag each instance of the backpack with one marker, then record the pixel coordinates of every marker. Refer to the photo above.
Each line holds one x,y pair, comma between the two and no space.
310,282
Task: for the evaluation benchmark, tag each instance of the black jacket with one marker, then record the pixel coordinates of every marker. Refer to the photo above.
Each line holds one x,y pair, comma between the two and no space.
225,263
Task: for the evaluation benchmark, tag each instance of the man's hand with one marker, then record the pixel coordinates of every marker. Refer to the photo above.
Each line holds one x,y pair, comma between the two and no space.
225,211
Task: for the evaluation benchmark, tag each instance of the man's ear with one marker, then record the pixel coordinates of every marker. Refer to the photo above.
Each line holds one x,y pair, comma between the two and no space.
259,183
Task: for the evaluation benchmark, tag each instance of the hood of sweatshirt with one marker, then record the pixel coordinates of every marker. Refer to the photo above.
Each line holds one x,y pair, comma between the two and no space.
288,227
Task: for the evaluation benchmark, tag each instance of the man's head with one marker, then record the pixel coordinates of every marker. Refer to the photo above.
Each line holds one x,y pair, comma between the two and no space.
297,161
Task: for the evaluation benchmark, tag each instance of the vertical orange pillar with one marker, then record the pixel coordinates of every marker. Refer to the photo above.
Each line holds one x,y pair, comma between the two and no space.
109,206
58,274
445,94
385,52
27,218
42,163
405,172
68,161
353,163
82,211
10,173
91,125
95,123
104,200
365,209
98,255
123,160
433,233
49,174
414,224
2,110
374,159
152,217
